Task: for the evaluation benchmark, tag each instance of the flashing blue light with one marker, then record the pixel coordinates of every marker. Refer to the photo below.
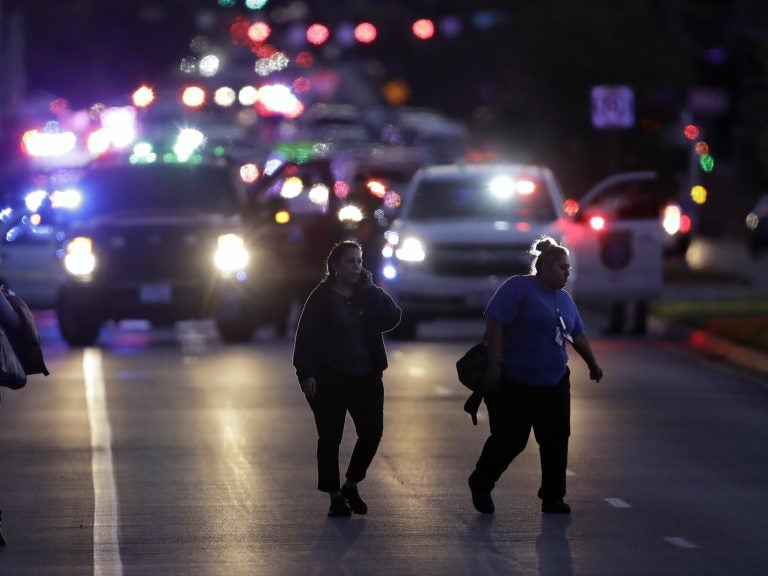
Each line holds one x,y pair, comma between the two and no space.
389,272
35,199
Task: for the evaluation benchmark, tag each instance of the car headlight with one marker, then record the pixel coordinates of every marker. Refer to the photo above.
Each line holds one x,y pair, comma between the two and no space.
671,219
350,213
79,259
231,254
411,250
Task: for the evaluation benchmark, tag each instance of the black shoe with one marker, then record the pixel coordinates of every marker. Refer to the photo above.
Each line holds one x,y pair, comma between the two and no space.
555,507
481,500
353,499
339,507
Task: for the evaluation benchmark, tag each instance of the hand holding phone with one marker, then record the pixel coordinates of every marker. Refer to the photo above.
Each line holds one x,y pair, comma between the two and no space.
366,278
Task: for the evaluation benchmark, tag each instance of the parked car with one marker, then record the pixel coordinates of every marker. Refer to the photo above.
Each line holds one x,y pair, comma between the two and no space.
156,241
757,225
465,228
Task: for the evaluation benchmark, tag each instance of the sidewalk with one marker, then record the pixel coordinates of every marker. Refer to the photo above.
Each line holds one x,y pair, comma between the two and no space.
721,270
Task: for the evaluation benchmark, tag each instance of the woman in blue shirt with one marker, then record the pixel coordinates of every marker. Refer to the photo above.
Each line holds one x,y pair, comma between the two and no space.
528,321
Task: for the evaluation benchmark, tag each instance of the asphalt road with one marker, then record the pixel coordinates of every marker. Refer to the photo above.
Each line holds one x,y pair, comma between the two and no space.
166,453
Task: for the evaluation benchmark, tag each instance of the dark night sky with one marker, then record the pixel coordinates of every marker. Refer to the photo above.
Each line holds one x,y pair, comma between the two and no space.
87,51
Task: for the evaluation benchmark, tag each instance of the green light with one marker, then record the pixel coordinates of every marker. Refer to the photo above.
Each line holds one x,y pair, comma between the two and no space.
706,162
299,152
219,151
255,4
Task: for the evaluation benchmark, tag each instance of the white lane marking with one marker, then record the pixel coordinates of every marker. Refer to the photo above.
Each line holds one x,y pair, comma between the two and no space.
570,473
679,542
106,546
618,503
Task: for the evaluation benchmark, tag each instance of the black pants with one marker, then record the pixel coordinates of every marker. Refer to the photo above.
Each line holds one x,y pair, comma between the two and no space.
363,398
513,410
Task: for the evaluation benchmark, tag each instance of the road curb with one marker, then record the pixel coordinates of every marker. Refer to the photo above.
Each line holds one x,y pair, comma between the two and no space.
713,345
734,353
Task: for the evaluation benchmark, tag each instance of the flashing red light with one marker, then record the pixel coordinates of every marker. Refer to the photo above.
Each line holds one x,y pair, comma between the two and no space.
365,33
691,131
685,223
259,31
340,189
317,34
301,85
423,29
597,223
571,207
239,30
305,59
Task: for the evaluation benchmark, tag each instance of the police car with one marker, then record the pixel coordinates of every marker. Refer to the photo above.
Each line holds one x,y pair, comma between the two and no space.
465,228
159,241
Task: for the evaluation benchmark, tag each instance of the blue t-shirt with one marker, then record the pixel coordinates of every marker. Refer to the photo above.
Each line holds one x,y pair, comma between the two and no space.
531,353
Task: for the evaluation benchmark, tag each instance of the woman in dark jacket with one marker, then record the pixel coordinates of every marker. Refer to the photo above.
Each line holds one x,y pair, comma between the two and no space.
339,357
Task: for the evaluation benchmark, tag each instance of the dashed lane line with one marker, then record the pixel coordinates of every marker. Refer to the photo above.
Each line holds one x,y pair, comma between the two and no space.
618,503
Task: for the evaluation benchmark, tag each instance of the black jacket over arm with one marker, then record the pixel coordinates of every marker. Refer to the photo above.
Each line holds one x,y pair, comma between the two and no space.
314,334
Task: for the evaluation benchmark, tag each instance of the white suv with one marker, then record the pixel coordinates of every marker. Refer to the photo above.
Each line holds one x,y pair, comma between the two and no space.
462,231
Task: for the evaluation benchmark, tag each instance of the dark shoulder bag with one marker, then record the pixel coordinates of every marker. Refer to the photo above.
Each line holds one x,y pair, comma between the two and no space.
472,367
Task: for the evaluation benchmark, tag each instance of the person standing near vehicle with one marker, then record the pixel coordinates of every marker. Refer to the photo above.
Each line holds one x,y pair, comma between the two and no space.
339,357
527,386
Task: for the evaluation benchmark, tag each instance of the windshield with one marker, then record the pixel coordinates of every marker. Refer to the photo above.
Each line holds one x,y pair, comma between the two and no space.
482,196
115,189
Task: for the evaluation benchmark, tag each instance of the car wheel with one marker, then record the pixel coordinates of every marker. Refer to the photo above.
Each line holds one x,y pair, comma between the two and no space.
77,326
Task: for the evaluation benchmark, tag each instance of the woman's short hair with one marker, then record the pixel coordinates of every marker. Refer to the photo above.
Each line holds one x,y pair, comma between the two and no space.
335,255
544,249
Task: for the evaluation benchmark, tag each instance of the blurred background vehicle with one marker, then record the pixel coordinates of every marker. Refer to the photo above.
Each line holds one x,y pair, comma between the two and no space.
29,264
757,226
300,207
623,226
643,195
161,241
463,229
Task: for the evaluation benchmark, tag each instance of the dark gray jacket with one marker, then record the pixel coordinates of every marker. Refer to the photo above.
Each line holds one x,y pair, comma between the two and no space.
314,336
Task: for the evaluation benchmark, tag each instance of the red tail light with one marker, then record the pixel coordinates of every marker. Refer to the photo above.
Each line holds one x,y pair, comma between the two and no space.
597,222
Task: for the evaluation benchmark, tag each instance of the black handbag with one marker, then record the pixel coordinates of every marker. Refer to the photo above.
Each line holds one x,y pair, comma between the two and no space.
12,374
472,366
471,369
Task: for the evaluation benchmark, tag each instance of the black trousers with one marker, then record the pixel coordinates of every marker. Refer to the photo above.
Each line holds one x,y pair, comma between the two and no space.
363,398
513,410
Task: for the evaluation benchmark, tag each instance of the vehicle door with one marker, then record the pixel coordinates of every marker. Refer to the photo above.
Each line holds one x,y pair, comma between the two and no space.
28,262
616,237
